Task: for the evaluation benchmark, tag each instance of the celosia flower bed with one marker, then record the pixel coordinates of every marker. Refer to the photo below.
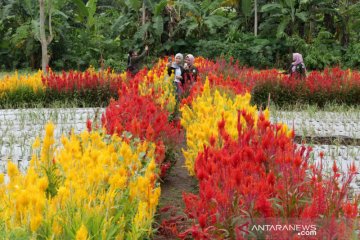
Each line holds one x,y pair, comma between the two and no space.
333,85
17,88
11,82
157,84
330,86
104,186
143,118
251,172
89,88
93,186
96,88
200,119
261,177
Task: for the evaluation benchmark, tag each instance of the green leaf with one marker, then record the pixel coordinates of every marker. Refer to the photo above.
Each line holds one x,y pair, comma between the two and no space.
159,7
271,7
246,7
180,42
302,15
82,10
36,28
191,27
352,8
214,22
282,26
142,30
60,13
191,6
91,6
120,24
134,5
158,25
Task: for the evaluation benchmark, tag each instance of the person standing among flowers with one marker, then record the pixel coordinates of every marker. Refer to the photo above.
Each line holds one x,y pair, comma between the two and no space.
297,68
191,71
179,74
134,60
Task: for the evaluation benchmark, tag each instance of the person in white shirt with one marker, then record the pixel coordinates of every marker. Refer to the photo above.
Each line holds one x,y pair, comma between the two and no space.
179,73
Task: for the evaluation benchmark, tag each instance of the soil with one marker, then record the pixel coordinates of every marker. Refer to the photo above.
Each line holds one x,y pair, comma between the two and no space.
346,141
172,188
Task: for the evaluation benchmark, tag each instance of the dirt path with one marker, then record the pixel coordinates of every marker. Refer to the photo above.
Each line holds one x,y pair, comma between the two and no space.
177,182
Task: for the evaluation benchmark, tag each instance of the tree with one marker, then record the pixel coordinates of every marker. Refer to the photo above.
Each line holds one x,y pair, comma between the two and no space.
45,40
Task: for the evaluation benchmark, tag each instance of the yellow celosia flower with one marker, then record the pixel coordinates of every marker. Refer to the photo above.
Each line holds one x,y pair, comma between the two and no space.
162,86
10,83
201,120
118,180
94,175
82,233
47,148
56,228
43,183
36,143
12,170
35,222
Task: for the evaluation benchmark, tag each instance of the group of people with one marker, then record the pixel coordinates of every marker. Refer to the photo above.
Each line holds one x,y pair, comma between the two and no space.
185,73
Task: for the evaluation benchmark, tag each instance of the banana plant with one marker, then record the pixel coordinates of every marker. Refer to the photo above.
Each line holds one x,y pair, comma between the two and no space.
141,21
203,17
86,11
284,15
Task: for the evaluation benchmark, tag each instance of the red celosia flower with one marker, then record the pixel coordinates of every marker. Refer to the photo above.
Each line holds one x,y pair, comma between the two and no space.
247,174
212,141
335,168
350,210
88,125
202,220
143,118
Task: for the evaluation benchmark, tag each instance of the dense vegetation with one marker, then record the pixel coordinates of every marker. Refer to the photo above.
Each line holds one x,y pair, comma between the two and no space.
90,32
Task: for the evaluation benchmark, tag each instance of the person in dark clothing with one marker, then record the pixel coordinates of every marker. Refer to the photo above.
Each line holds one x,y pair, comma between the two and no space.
134,60
297,68
177,69
191,72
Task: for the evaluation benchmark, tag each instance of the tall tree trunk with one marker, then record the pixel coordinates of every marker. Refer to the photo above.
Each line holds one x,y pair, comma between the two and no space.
255,18
44,50
45,41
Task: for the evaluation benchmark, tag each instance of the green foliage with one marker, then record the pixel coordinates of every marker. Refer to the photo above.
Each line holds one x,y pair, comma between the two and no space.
352,56
53,179
283,95
27,98
324,52
246,48
326,32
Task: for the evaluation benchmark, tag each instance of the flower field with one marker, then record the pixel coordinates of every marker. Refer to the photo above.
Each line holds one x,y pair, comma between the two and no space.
93,89
102,181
